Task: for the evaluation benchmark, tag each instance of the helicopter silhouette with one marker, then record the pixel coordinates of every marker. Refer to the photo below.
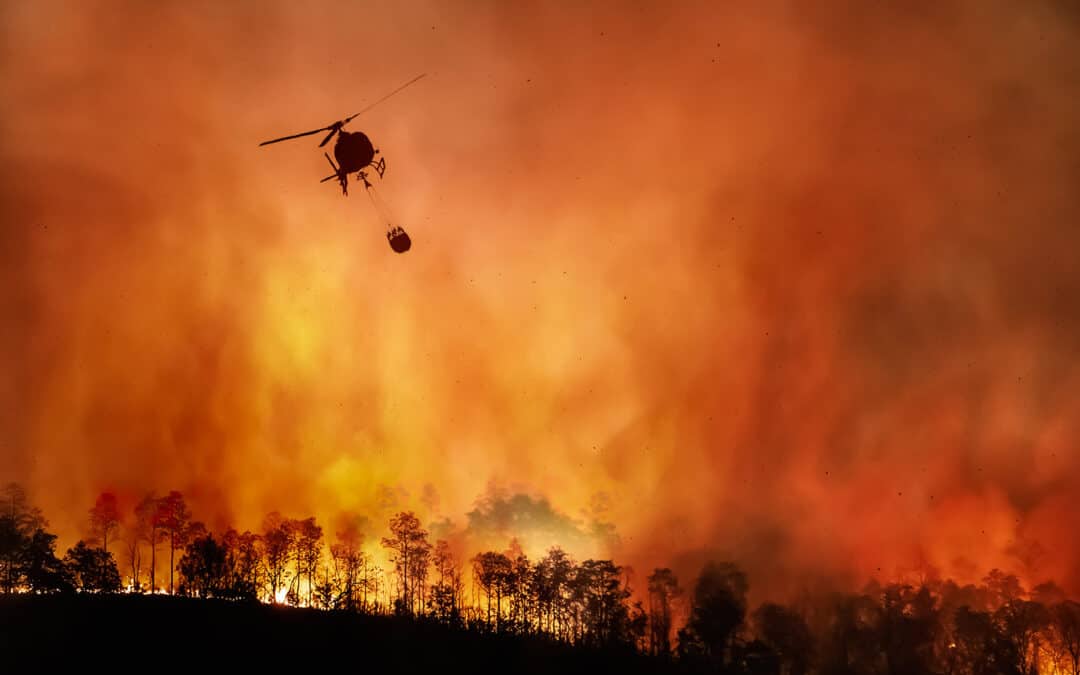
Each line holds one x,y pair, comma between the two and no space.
356,154
353,150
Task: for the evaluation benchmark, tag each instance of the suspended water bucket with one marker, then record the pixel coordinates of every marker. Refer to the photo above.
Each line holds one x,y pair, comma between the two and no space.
399,240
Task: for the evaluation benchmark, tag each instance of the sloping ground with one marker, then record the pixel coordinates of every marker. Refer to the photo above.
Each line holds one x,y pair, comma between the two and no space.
153,634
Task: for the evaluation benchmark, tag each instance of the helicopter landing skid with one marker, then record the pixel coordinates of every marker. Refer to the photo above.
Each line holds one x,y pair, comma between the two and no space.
379,167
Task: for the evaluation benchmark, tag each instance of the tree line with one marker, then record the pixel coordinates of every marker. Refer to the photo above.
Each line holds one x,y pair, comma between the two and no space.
933,627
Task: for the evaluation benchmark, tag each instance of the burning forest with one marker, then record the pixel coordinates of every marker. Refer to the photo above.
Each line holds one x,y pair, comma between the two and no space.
925,625
773,305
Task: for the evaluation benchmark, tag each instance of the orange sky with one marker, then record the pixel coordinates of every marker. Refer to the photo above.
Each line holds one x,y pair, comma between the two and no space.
795,287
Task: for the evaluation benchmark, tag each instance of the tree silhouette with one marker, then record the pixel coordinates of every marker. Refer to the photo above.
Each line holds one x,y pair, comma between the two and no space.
409,551
663,590
490,569
638,626
605,617
1048,594
308,545
1065,625
132,536
15,505
104,518
717,612
785,632
276,544
446,592
908,628
348,561
1020,623
42,570
148,527
242,564
936,628
1002,587
12,543
327,592
304,536
551,581
420,565
204,567
19,521
976,647
173,518
520,587
92,569
852,633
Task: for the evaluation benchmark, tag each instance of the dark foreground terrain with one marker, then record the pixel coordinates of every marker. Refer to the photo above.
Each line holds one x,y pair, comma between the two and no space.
49,633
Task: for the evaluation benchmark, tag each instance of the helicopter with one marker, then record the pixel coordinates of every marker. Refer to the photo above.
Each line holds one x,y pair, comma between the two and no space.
355,153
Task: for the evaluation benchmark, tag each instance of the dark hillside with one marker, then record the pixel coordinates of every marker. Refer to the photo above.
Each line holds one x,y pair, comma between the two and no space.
47,633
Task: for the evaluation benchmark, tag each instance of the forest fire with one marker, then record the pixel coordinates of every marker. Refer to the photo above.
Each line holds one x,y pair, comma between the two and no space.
788,287
933,626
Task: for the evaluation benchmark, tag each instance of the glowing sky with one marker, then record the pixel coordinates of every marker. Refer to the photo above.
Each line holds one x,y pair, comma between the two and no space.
794,286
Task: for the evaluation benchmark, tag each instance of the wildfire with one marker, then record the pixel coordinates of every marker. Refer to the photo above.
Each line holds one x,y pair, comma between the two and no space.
657,315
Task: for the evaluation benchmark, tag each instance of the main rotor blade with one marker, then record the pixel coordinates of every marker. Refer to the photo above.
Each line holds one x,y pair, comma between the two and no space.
385,97
336,126
286,138
333,130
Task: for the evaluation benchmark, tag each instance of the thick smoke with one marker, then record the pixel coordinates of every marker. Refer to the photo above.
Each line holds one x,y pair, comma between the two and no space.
787,285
